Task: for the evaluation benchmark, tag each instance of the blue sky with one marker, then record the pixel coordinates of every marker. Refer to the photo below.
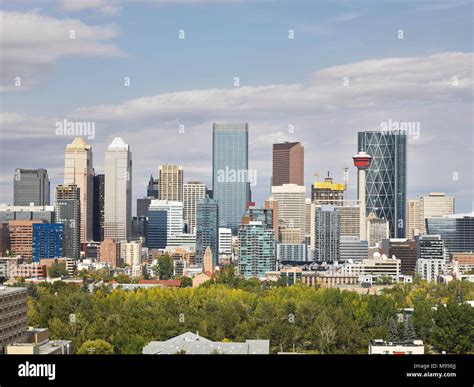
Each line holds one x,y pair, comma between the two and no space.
248,39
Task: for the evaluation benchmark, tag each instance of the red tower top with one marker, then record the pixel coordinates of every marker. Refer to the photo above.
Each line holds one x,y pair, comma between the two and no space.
362,160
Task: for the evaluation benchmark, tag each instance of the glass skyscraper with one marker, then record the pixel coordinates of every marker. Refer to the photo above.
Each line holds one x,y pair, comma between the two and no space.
157,231
207,229
31,186
230,174
386,177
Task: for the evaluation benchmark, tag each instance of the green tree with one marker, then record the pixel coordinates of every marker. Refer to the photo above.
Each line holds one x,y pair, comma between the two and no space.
57,269
96,347
186,282
164,269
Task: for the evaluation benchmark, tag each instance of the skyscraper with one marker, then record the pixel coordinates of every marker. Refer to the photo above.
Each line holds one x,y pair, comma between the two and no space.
328,234
68,212
157,230
291,200
78,169
98,199
118,191
288,164
257,250
170,182
193,191
31,186
386,177
152,188
207,229
230,173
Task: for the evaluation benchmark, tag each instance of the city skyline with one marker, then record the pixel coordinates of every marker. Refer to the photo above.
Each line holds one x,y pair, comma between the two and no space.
388,80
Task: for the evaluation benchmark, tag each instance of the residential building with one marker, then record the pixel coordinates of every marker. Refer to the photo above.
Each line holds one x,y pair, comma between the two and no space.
381,347
292,252
207,229
98,207
193,192
21,237
291,200
328,231
109,252
13,325
352,248
47,241
68,212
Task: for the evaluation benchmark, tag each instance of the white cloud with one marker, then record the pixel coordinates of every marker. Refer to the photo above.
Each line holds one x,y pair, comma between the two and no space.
33,43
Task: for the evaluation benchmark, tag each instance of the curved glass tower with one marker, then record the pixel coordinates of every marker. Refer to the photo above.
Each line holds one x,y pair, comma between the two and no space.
386,177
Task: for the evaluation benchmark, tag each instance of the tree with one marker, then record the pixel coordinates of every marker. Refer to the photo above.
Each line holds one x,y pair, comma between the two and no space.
186,282
57,269
165,268
96,347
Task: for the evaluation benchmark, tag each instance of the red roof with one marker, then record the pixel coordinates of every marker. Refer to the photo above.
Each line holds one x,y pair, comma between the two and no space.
167,283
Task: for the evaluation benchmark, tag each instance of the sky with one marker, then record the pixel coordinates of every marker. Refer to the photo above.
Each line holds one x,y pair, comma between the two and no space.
159,73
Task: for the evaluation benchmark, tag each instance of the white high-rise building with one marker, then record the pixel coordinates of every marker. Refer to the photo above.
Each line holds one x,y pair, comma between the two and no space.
291,206
225,241
131,253
174,211
118,191
193,191
78,169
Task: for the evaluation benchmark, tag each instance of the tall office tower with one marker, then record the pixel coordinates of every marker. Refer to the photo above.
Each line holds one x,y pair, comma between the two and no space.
170,182
174,209
207,229
78,169
377,229
349,217
68,213
291,206
31,186
21,237
47,241
327,192
109,252
386,181
257,250
193,191
225,242
328,234
98,213
404,250
457,231
118,191
157,230
230,173
288,164
415,221
430,256
152,189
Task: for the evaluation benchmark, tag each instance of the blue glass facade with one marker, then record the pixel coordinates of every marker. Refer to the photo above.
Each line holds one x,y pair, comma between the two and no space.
157,229
47,241
386,182
207,229
457,232
230,182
